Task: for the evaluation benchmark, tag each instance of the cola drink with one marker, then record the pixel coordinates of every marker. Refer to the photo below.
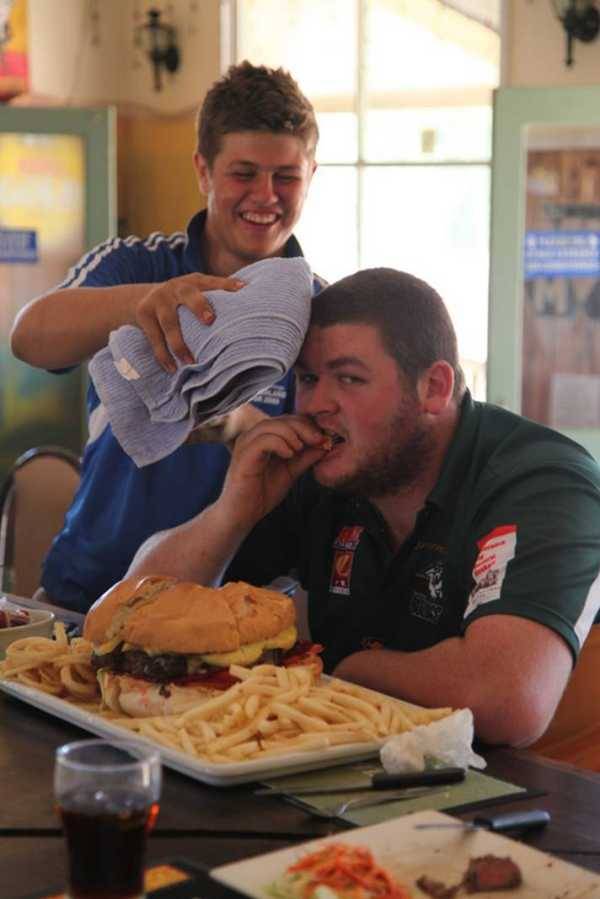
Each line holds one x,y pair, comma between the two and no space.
106,793
106,833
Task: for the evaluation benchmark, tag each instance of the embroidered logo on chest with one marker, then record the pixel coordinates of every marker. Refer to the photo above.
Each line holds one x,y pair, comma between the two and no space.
496,550
426,602
344,547
433,576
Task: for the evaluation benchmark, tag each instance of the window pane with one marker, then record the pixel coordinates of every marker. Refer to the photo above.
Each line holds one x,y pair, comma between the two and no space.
434,223
327,229
338,137
430,134
314,39
425,59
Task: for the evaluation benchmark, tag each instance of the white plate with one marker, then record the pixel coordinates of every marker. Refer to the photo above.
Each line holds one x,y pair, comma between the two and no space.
223,774
440,854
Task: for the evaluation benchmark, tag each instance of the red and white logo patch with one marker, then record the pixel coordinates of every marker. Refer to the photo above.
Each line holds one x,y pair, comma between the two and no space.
496,550
344,547
348,537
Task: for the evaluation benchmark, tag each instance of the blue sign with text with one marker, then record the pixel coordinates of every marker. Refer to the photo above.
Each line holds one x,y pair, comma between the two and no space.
562,254
18,245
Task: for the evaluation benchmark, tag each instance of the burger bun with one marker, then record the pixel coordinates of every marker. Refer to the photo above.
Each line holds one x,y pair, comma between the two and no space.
139,698
161,614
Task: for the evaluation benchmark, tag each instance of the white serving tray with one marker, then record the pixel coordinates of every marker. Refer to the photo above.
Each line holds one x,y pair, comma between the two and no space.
222,774
440,854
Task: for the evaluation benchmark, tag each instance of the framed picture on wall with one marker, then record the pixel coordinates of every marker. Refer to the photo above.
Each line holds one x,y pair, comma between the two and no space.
13,49
57,200
544,322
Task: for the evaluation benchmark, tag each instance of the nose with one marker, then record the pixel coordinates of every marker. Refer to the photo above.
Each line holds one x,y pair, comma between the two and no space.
318,402
263,189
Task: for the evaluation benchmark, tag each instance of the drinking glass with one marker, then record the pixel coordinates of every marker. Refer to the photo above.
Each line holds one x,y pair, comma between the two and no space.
107,795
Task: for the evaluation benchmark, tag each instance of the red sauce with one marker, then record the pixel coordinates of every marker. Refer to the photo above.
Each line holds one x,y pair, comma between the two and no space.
300,653
216,679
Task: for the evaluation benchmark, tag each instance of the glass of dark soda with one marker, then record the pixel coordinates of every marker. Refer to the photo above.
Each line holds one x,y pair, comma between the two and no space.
107,795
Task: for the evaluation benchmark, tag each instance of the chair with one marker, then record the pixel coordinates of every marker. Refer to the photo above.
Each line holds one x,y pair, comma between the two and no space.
574,732
33,500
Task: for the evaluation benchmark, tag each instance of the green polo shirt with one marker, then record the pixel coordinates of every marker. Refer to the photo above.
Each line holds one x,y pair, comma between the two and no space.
512,527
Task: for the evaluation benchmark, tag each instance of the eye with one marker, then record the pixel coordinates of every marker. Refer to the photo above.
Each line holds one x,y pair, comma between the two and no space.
351,379
305,379
243,176
286,179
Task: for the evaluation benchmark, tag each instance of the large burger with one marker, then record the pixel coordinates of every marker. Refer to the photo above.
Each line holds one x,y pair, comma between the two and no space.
162,645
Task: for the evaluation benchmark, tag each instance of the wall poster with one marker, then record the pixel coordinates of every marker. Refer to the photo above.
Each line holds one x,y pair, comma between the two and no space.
42,233
561,307
13,49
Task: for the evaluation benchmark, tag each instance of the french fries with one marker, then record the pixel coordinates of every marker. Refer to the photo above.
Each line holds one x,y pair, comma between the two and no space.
271,711
274,710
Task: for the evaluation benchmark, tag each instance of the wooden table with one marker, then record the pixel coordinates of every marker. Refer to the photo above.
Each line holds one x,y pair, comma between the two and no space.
212,825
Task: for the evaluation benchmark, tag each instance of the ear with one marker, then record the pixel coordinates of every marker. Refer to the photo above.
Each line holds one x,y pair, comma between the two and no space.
202,173
436,387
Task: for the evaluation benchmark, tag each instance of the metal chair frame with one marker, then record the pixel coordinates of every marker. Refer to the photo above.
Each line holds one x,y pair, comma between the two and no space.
8,496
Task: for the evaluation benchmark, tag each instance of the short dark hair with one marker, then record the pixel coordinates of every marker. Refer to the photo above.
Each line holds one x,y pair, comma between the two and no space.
254,98
410,316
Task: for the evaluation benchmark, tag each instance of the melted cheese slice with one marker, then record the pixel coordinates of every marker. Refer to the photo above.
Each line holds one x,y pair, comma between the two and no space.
245,655
107,647
251,652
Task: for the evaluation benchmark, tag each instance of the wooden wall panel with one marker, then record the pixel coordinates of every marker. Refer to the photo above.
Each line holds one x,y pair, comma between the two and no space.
157,187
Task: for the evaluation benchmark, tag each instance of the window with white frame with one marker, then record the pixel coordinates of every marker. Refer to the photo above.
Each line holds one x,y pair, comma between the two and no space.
403,92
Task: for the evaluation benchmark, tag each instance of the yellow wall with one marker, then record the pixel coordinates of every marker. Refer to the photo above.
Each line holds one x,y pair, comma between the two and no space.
157,188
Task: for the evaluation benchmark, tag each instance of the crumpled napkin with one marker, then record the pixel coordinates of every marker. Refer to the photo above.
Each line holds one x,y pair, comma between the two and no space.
444,742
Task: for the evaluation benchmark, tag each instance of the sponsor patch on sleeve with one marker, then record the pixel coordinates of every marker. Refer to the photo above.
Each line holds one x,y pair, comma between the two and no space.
496,550
275,395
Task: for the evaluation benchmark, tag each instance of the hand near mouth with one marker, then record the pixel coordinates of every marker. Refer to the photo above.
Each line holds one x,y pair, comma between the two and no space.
266,462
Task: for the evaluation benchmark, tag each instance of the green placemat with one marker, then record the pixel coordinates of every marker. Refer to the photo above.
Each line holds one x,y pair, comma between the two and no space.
476,789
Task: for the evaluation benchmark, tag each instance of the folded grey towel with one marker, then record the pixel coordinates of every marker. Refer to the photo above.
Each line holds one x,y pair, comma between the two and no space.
253,342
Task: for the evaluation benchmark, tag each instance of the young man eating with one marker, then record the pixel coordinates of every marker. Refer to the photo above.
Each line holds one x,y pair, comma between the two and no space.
450,549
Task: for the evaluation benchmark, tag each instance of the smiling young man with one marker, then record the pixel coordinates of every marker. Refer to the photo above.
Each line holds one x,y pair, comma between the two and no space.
255,186
257,135
450,549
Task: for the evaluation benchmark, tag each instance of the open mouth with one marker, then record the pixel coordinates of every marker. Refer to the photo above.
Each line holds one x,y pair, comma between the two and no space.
331,440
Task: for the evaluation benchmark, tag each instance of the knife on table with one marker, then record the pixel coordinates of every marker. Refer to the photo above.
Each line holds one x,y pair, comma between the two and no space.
529,820
380,781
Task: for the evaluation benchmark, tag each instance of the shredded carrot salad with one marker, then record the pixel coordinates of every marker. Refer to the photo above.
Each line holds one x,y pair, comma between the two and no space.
350,871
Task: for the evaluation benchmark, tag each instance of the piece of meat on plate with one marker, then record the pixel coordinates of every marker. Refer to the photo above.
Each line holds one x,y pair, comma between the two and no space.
436,889
489,872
